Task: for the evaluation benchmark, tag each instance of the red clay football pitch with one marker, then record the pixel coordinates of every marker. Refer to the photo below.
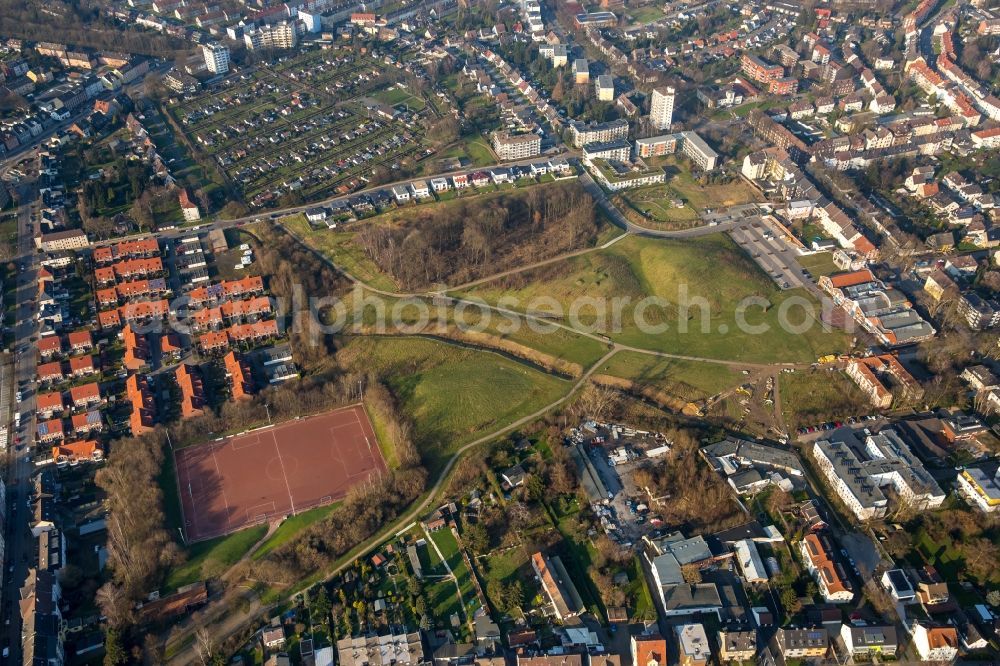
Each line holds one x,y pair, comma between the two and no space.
276,471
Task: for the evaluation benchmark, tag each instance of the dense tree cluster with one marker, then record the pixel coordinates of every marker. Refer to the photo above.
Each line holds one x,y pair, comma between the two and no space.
139,548
297,274
971,534
975,58
698,499
472,239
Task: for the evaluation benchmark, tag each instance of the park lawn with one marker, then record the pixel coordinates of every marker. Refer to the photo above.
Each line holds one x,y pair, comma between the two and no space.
711,273
393,96
744,110
655,202
818,264
453,394
645,14
687,380
810,397
639,599
472,149
207,559
702,197
550,347
291,526
557,342
560,343
442,595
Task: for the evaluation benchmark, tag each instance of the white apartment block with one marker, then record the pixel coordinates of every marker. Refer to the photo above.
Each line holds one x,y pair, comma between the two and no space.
858,470
981,488
598,133
688,143
661,108
604,88
276,36
616,179
612,150
516,146
216,57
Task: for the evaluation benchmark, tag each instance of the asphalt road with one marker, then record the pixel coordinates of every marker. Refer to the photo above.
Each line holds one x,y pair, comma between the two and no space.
282,212
20,545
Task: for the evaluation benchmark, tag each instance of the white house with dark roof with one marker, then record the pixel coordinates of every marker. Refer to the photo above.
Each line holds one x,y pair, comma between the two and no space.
401,193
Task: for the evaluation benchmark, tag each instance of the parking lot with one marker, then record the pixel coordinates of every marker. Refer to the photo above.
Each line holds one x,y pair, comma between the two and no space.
821,430
775,256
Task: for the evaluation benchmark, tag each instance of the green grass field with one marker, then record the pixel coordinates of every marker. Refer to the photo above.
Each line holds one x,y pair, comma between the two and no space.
393,96
443,598
453,394
655,201
645,14
687,380
506,565
640,601
558,343
8,228
948,557
210,558
809,397
710,273
818,264
471,149
484,328
942,556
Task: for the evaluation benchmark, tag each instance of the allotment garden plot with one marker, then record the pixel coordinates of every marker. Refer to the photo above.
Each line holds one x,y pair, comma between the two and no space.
310,126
